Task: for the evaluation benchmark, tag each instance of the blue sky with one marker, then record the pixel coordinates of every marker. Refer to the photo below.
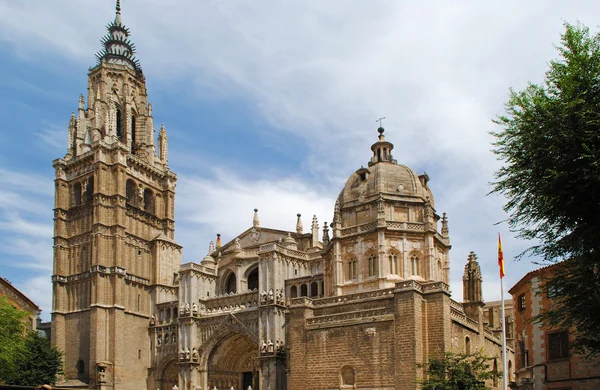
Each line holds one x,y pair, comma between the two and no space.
272,104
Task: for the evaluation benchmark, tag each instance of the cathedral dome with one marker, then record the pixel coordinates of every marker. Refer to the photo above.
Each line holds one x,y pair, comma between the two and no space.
384,176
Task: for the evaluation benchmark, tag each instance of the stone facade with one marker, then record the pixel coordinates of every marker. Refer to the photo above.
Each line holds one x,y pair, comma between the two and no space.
544,359
357,304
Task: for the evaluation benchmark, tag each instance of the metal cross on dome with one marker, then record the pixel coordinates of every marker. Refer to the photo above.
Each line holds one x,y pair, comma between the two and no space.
379,120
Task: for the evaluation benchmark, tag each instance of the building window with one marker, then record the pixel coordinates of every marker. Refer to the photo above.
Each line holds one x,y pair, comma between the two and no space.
467,345
348,376
294,292
77,194
414,262
393,264
372,265
352,269
314,289
552,290
558,345
524,353
230,286
521,302
253,279
491,318
80,367
303,290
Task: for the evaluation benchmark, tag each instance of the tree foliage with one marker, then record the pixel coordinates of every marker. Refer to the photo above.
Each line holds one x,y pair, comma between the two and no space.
550,147
25,357
457,372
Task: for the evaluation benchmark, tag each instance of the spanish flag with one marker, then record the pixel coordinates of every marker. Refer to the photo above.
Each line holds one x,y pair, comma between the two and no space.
500,257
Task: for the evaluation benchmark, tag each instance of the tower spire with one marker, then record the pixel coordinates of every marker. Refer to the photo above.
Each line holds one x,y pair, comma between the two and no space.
118,48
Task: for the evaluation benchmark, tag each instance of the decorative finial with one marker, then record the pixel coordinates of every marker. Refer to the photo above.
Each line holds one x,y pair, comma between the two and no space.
445,230
218,240
299,226
255,220
118,7
211,247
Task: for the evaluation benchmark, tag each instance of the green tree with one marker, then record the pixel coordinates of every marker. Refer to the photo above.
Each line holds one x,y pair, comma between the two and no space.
550,147
12,340
25,357
41,363
457,372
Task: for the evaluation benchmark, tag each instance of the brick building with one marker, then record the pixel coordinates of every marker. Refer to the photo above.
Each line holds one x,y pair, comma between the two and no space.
356,304
543,357
21,302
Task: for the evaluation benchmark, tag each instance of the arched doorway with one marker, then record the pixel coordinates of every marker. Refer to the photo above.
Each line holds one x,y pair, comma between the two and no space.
169,376
233,362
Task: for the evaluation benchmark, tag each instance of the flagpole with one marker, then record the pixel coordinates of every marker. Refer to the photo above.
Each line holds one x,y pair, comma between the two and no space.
504,376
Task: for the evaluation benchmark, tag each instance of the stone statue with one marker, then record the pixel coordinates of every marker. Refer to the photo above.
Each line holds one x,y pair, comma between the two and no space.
263,297
158,339
270,347
173,338
279,296
194,308
101,375
263,348
140,197
152,320
182,309
187,308
271,295
187,354
249,387
194,354
181,354
238,245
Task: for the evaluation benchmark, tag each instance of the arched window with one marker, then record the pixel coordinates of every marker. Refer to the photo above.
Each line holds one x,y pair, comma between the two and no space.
77,194
352,269
80,367
372,265
130,192
393,263
148,201
510,370
174,312
303,290
133,134
314,289
467,345
414,264
89,189
168,315
440,270
253,279
348,376
230,285
294,292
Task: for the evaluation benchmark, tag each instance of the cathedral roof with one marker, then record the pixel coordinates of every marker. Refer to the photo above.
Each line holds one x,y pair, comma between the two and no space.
118,48
384,176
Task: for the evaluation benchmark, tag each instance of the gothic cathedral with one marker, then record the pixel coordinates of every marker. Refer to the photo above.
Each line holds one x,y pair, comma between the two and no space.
356,304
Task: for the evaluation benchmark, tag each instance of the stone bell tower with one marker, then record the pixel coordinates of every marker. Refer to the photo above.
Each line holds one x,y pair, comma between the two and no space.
113,224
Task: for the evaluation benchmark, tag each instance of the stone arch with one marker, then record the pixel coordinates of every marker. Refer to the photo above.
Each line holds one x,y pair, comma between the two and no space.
130,191
77,194
149,201
167,374
229,284
232,350
314,289
251,276
303,290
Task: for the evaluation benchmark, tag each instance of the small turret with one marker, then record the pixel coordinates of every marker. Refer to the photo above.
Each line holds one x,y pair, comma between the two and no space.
163,144
255,220
299,226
